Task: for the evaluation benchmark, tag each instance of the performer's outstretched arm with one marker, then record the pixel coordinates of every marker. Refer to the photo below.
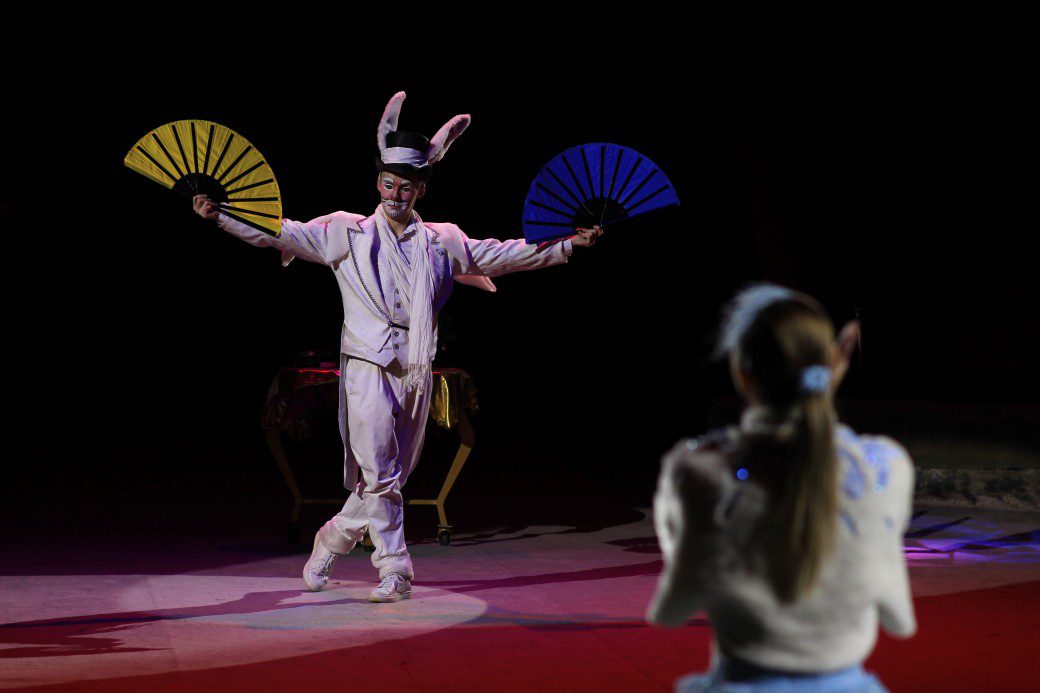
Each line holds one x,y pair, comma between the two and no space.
490,257
311,241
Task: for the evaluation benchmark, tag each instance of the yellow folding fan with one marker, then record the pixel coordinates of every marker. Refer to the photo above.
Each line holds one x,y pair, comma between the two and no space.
194,157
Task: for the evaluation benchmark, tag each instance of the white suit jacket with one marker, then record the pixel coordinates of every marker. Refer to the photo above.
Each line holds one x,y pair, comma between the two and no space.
366,334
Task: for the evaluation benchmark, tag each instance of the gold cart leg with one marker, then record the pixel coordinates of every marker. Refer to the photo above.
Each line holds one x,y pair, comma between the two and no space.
465,447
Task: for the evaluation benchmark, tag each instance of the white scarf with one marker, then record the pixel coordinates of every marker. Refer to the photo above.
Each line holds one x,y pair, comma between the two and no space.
416,282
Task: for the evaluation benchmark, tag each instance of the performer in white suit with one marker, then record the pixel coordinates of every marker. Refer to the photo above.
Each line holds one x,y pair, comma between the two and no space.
395,272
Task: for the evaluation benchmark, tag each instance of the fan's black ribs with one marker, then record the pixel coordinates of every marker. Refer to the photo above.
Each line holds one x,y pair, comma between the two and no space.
613,178
209,146
158,165
635,165
588,174
163,148
588,211
602,155
223,153
547,191
551,209
250,186
621,189
599,193
575,179
249,222
194,147
532,222
184,158
252,199
244,173
220,178
637,188
565,188
646,199
224,206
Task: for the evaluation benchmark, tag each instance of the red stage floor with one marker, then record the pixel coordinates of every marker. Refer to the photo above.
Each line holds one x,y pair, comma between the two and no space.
533,608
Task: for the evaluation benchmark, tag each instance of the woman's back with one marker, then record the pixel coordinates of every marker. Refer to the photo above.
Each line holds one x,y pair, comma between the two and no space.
716,512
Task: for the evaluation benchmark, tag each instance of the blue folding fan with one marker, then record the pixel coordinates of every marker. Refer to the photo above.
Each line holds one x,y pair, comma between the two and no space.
596,183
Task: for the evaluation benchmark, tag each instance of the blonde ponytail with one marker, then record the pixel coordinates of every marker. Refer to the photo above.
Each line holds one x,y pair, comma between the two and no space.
808,506
785,353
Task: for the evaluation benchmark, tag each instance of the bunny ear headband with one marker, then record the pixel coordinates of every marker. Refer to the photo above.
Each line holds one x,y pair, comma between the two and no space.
409,154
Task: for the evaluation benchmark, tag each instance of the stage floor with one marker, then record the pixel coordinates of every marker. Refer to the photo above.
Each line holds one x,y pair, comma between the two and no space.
541,608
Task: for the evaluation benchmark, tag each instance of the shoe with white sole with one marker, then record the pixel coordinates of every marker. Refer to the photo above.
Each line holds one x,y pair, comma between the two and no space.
319,566
393,588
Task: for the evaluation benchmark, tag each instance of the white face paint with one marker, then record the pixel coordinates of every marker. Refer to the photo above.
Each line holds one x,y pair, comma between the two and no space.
398,195
395,210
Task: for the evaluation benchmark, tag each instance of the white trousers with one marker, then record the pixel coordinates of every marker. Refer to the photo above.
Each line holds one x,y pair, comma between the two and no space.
383,436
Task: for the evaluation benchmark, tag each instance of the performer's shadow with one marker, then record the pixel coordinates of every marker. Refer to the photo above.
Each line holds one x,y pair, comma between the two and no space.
604,573
551,525
76,635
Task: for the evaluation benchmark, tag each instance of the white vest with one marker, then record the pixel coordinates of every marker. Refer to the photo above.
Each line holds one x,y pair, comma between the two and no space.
370,303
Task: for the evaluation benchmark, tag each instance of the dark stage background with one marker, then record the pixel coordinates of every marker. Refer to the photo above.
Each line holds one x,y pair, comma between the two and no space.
882,160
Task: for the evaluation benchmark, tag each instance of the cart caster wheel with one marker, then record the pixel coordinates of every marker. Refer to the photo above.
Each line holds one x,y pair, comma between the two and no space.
292,534
444,537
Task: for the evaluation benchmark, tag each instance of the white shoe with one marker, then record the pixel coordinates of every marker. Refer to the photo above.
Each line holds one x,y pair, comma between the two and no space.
319,566
393,588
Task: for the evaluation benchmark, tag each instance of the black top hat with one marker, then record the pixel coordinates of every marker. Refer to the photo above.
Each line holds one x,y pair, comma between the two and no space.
409,154
415,146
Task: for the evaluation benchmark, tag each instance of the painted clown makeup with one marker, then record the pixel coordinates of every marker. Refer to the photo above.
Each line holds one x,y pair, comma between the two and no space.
399,195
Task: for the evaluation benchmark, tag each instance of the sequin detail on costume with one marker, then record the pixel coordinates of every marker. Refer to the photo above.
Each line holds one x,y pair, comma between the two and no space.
855,480
849,522
878,460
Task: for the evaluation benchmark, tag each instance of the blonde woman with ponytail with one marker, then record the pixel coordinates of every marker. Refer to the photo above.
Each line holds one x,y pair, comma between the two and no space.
786,531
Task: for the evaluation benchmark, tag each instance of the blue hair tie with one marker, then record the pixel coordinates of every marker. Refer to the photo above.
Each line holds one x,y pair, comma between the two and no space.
815,380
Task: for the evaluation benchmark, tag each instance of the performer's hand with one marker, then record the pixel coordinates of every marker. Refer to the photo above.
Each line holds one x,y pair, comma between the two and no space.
586,238
204,208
